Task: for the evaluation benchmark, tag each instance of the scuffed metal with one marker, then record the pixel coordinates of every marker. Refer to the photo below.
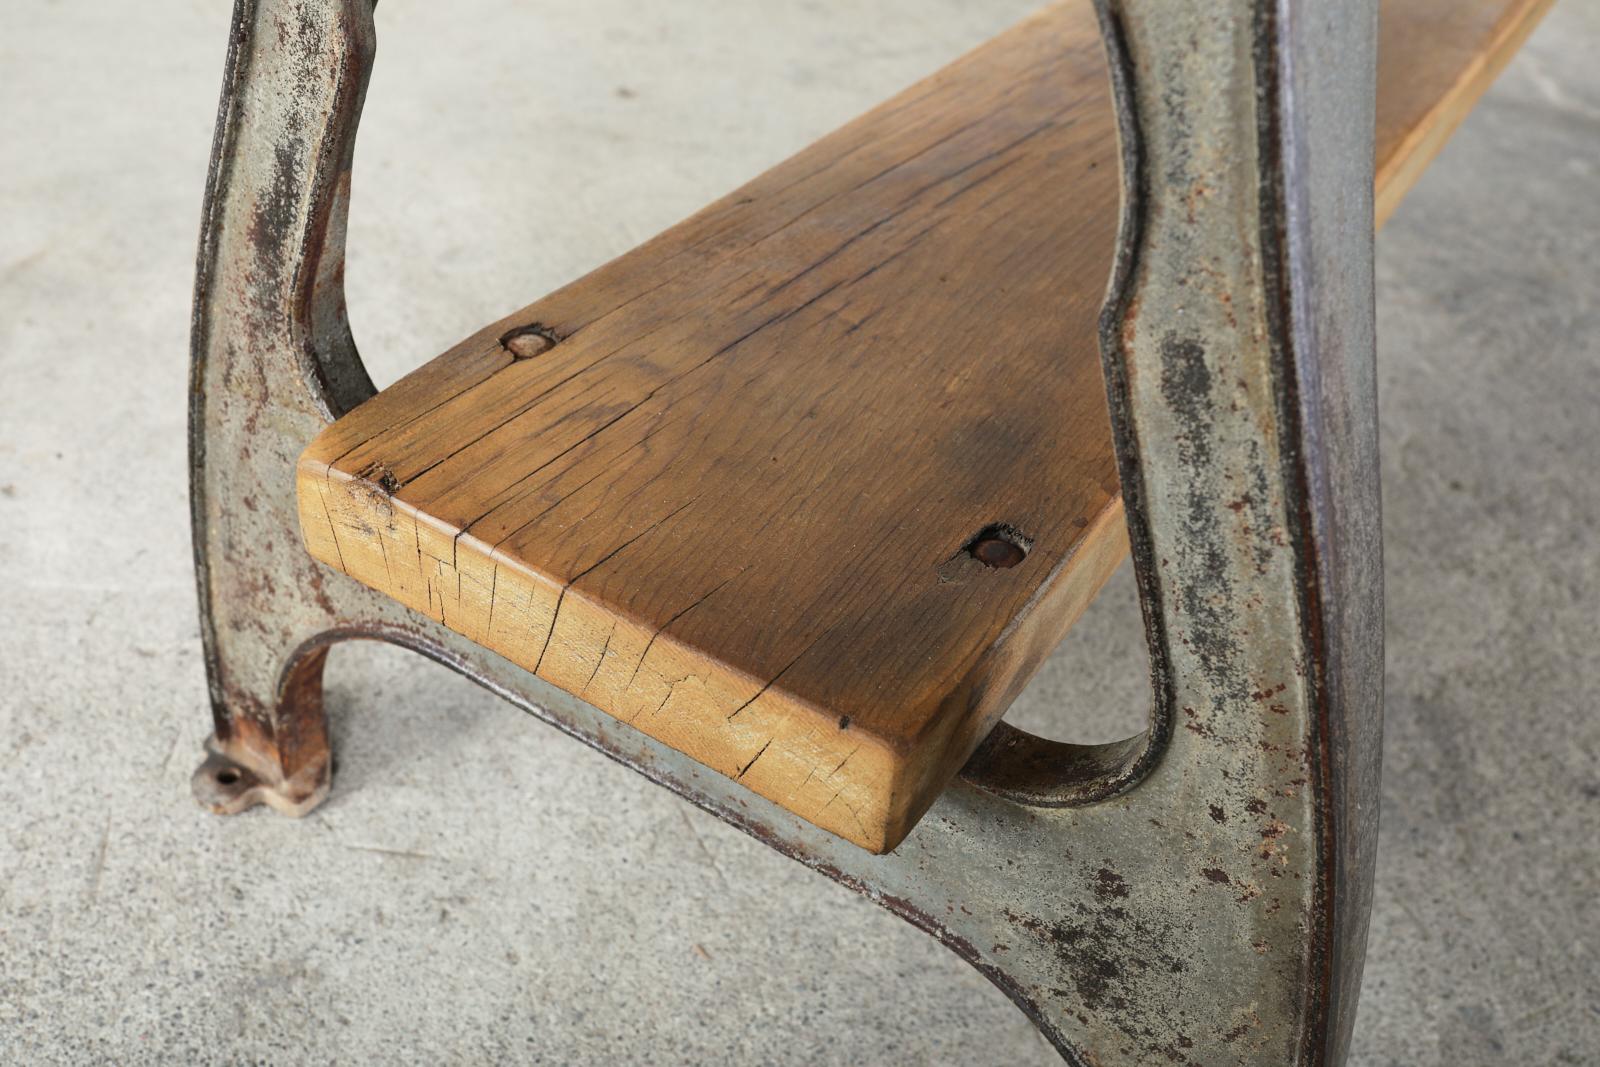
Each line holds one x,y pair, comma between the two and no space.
1238,349
1203,907
272,362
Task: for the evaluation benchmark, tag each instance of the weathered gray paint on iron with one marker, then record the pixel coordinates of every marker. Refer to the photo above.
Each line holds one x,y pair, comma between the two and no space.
1205,913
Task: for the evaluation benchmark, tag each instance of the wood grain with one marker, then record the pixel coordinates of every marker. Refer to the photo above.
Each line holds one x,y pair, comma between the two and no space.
727,493
1435,59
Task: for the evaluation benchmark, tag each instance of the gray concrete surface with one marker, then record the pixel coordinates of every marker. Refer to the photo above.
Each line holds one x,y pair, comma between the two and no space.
481,889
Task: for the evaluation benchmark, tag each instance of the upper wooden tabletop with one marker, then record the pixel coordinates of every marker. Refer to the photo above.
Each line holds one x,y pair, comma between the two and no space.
808,486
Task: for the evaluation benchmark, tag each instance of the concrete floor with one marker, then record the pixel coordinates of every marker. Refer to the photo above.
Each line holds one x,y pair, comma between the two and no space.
480,888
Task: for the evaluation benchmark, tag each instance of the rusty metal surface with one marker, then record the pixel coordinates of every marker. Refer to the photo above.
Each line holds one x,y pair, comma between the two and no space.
1239,350
1210,911
1325,283
272,361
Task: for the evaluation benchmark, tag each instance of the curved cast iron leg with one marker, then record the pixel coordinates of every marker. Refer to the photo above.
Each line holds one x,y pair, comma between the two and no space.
1213,912
272,362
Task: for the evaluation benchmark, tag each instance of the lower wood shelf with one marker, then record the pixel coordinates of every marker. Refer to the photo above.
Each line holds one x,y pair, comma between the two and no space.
808,486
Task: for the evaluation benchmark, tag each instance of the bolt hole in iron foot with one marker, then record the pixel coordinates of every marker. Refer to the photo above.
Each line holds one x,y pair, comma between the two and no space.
225,786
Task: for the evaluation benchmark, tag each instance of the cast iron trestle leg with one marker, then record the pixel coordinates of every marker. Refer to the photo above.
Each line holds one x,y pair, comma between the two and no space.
1212,910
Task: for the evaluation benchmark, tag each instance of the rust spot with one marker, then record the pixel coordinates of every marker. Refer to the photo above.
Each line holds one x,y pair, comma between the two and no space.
1239,1031
1109,884
319,592
1217,875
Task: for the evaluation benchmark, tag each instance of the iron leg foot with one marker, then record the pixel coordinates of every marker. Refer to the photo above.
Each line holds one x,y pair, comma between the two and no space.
226,786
